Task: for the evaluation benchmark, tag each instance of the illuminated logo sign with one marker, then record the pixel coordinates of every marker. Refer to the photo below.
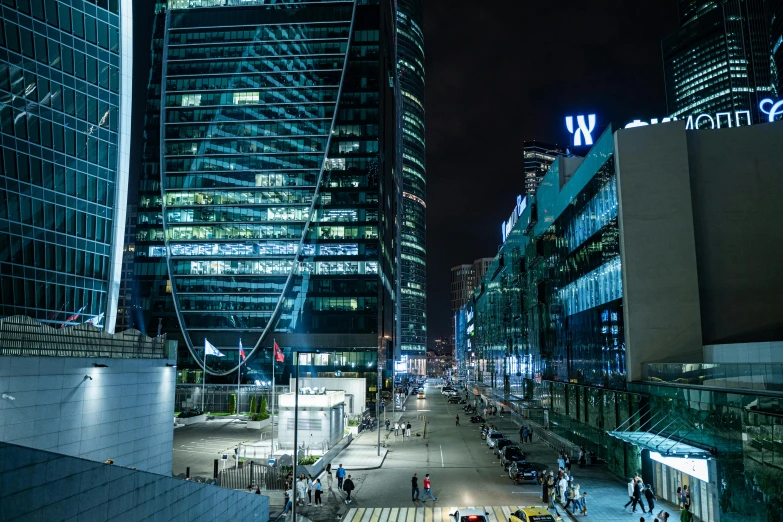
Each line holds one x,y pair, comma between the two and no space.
771,108
508,226
696,468
583,132
469,315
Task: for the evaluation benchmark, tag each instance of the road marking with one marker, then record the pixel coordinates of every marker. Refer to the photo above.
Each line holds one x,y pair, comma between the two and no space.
442,465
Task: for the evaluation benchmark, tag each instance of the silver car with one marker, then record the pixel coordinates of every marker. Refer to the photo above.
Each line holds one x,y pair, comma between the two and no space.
493,437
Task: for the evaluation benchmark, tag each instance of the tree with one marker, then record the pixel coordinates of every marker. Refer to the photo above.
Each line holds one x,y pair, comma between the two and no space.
252,405
262,407
232,405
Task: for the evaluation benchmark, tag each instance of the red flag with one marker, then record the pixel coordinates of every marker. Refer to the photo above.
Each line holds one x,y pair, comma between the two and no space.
279,357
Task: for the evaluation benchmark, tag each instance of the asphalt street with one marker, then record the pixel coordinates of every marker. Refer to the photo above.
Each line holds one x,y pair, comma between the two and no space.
198,445
463,470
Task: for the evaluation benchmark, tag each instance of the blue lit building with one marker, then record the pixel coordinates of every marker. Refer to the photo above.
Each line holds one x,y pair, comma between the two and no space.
270,194
632,299
65,83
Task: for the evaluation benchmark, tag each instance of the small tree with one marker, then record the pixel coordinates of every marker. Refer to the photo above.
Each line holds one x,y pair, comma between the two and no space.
252,405
232,405
262,407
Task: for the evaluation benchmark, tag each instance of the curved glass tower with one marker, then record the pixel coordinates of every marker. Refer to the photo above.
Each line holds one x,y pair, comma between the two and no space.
268,201
410,61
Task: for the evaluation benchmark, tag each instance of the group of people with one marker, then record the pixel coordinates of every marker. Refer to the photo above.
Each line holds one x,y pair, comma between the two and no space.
306,488
526,434
427,488
402,425
637,490
563,489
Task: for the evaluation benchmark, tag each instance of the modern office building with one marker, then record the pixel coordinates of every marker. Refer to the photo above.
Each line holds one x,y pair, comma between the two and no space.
774,12
410,64
269,205
538,157
128,310
462,280
480,267
65,77
718,61
616,305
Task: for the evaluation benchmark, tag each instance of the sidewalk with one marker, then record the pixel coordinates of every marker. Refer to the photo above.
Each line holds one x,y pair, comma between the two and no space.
606,493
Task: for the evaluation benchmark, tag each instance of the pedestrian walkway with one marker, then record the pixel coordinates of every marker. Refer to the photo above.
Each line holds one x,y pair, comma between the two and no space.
424,514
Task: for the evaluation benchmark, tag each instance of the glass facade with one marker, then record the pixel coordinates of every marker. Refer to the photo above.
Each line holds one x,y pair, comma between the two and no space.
410,63
538,157
65,83
719,59
269,197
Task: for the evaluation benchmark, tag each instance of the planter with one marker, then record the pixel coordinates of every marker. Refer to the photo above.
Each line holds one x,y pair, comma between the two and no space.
192,420
258,425
353,430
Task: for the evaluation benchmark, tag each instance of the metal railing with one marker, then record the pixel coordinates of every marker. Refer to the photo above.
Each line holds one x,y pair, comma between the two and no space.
22,335
254,474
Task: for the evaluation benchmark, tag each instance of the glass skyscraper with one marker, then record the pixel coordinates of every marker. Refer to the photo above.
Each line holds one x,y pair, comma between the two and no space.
410,60
65,83
269,196
719,59
538,157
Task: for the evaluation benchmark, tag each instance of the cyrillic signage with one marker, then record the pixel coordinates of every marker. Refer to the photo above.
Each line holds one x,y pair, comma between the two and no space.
508,226
720,120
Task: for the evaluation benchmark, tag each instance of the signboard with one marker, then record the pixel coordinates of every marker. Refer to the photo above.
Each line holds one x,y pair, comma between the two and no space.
696,468
508,226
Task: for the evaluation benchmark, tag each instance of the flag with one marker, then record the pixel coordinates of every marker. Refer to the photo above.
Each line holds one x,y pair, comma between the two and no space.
279,357
241,351
209,349
95,320
73,317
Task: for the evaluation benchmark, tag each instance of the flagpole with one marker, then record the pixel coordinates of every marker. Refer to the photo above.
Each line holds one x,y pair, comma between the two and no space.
274,358
204,385
239,376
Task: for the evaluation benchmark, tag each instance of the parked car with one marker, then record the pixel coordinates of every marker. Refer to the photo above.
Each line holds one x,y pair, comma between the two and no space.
453,399
493,438
531,514
500,444
510,455
521,472
469,515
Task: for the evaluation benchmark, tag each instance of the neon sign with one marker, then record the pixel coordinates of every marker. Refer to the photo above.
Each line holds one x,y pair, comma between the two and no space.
775,109
583,133
508,226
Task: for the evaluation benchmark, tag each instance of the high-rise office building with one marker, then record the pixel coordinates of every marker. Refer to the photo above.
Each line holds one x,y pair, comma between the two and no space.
410,62
269,204
719,60
774,11
462,281
127,302
480,267
65,78
538,157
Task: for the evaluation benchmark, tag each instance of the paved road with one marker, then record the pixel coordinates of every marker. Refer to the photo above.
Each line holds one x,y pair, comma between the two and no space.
197,445
463,470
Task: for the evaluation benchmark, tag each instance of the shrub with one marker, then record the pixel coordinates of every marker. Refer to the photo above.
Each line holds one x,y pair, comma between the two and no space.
259,417
232,405
252,405
310,459
262,406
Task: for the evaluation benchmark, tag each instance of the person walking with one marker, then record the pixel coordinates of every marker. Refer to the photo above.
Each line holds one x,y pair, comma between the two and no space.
340,476
568,464
301,491
388,424
637,496
329,475
561,462
396,428
289,500
544,488
348,487
408,430
649,494
457,420
428,489
415,487
685,514
310,488
631,484
521,434
317,486
530,433
582,456
562,487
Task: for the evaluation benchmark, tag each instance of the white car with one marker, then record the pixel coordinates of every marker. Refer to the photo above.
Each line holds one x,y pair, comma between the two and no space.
493,437
468,515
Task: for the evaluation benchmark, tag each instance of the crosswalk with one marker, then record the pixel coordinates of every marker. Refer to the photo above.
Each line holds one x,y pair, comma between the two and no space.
423,514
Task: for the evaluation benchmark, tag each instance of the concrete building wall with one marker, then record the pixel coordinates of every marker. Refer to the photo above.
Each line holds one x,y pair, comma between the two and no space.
40,485
357,388
125,412
736,180
657,246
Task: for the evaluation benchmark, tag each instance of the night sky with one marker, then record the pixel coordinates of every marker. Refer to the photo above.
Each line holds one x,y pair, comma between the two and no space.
498,73
501,72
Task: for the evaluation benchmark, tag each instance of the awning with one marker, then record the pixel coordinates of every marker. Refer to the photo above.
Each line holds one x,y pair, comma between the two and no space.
670,446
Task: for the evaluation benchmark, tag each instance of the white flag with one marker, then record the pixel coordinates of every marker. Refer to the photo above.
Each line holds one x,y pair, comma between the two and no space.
209,349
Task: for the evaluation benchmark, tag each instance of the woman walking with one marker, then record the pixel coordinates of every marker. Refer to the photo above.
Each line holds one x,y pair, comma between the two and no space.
329,475
317,486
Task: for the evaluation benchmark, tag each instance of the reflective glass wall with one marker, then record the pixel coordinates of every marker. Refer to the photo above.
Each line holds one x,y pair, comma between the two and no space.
65,74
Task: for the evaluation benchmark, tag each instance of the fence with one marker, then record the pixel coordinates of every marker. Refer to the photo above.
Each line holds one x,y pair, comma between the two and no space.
555,441
218,396
253,473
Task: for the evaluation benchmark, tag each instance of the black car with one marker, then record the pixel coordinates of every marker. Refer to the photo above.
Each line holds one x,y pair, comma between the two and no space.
500,444
521,472
511,455
454,399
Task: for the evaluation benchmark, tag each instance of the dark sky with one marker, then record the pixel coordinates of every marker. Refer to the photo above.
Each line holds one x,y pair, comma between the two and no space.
500,72
504,71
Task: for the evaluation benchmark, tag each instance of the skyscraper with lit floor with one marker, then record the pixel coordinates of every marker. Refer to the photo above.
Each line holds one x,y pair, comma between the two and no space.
410,60
65,80
538,157
269,204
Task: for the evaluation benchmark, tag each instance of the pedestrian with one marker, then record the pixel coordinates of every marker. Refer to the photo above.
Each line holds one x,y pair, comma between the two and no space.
685,514
686,497
582,456
562,486
428,489
649,494
630,493
570,497
289,499
340,476
544,488
530,433
583,503
415,487
457,420
310,488
388,423
679,496
522,434
568,464
408,430
318,493
258,490
249,488
637,496
396,428
561,462
329,475
301,491
348,487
